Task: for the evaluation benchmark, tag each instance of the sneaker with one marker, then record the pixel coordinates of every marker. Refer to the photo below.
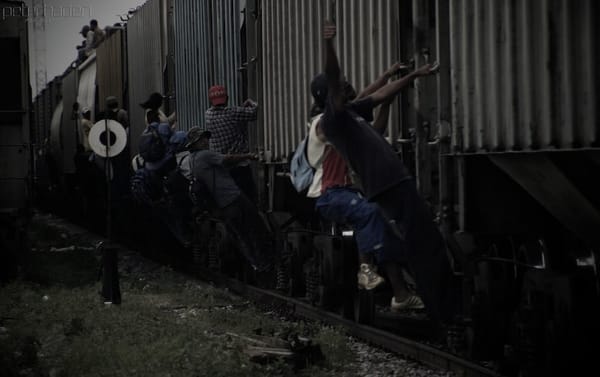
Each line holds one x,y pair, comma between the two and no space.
412,302
368,278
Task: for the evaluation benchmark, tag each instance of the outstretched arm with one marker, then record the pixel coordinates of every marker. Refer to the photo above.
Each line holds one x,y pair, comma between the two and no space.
389,91
172,119
332,67
382,80
232,159
380,122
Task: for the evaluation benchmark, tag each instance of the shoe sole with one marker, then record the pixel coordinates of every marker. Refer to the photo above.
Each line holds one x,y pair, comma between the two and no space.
420,307
413,306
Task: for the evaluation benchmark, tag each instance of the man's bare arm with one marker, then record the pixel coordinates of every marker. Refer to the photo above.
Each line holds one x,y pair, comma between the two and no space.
381,121
332,67
231,159
389,91
382,80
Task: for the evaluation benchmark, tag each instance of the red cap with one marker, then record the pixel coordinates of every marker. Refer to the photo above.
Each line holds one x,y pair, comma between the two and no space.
217,95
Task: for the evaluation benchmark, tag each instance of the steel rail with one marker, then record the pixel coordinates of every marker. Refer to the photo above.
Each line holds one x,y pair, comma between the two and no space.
423,353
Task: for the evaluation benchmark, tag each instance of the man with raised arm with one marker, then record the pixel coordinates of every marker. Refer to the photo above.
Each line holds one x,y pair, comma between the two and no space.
385,180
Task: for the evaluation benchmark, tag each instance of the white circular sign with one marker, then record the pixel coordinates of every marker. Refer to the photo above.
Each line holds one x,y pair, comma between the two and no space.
117,139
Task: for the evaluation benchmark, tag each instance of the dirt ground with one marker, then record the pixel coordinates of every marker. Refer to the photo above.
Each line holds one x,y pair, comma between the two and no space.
53,321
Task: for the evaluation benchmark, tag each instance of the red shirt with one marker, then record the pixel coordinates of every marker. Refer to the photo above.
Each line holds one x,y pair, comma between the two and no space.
335,170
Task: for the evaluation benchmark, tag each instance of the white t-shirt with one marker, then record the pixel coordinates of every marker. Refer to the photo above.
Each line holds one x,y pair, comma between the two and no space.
315,151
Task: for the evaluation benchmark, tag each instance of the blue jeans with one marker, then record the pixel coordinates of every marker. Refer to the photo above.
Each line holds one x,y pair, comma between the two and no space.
371,231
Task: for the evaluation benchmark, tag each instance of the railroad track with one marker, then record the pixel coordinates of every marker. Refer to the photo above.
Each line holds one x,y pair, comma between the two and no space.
424,353
410,348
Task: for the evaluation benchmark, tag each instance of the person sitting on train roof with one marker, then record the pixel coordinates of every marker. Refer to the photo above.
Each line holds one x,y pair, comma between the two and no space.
339,198
386,181
83,49
154,103
229,127
210,169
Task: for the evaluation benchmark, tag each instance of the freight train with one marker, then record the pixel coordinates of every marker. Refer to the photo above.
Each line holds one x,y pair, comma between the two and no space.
503,145
16,169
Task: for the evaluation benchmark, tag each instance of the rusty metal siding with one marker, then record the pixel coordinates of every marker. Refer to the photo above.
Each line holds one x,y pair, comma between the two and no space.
110,76
55,96
42,124
15,135
64,133
86,87
522,74
368,43
207,52
192,44
146,57
38,128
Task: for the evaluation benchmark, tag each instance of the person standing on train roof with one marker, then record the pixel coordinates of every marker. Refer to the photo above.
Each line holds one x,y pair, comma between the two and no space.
346,126
339,199
229,128
154,103
230,204
98,35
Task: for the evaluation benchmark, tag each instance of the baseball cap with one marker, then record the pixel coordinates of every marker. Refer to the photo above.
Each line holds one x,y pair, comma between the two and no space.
319,89
195,134
153,102
217,94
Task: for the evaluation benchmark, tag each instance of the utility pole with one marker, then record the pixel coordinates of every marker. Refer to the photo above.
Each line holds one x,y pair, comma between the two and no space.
38,17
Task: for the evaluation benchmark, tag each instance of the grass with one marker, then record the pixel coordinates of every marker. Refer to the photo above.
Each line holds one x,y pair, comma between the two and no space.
53,323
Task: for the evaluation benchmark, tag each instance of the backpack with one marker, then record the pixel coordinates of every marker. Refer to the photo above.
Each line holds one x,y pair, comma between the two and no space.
146,187
151,145
301,172
176,184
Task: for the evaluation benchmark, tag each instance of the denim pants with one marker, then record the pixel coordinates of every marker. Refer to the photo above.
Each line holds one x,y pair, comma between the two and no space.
371,231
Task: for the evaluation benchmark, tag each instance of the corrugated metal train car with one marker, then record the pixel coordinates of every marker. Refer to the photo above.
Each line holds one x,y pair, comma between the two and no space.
15,145
503,143
148,52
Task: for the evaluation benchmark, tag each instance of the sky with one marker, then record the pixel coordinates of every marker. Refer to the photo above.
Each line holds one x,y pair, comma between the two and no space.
63,22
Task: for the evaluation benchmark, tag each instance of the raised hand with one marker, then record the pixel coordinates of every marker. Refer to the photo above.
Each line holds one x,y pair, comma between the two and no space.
428,69
329,30
396,68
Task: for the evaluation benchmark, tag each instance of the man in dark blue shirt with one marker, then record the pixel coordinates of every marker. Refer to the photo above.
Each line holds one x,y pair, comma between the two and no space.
229,202
385,180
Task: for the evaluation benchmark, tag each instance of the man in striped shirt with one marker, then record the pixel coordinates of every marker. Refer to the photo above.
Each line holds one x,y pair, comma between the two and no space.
229,128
